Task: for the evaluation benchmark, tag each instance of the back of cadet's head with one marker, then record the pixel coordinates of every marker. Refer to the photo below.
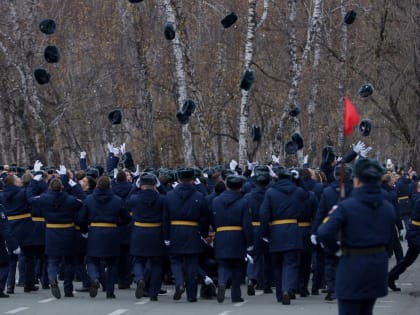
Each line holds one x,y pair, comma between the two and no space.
55,184
103,183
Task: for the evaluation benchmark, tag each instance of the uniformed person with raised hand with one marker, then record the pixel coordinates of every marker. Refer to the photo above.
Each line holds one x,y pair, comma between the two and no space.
146,245
186,220
234,236
365,222
103,211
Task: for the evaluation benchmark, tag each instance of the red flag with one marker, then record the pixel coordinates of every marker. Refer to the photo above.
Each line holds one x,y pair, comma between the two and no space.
351,117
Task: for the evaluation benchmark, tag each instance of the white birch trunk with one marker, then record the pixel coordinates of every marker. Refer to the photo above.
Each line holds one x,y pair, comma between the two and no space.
244,110
181,84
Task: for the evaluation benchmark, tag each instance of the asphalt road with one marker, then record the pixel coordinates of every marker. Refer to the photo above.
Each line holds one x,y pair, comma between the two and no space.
42,302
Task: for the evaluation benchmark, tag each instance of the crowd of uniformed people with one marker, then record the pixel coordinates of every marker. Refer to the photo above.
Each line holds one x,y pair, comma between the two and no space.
213,229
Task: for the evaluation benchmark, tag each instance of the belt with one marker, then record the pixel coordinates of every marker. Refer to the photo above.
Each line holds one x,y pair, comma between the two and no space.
103,224
147,224
38,219
416,223
403,198
362,251
77,227
229,228
59,225
304,224
284,221
180,222
256,223
18,216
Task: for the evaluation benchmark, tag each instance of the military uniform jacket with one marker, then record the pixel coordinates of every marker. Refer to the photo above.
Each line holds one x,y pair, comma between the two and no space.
104,211
34,189
413,231
186,219
147,212
279,212
405,203
253,201
305,219
18,211
366,222
7,241
60,213
232,220
123,190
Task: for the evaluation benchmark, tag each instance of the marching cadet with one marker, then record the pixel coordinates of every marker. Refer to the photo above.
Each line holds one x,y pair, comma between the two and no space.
147,244
186,220
233,239
59,211
7,243
258,272
279,212
365,222
103,211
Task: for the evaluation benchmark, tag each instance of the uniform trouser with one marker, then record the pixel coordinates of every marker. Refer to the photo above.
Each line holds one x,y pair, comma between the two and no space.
318,259
80,270
154,264
4,270
41,270
305,259
356,307
396,248
68,270
409,258
185,269
285,271
94,270
30,254
11,279
124,265
232,269
331,263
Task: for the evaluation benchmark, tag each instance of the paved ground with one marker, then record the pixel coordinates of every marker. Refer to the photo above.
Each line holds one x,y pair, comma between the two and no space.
404,303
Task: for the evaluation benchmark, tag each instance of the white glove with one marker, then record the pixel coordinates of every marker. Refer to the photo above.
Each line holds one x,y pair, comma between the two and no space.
402,233
83,155
232,165
275,159
249,258
157,182
17,251
365,152
85,235
167,243
110,147
122,148
251,165
138,183
116,151
37,166
338,253
313,239
389,164
249,248
62,170
197,181
265,239
208,280
338,159
358,147
272,174
305,159
175,184
115,173
295,174
137,172
72,183
38,177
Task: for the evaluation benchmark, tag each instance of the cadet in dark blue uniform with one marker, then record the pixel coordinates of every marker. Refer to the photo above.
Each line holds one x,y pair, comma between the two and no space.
186,220
279,212
147,244
413,239
60,213
405,203
366,222
7,243
232,220
103,211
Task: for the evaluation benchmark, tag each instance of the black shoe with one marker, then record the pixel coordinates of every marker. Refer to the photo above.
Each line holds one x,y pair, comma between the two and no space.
55,290
324,291
163,292
392,286
46,287
178,292
28,289
3,295
154,299
140,289
268,290
330,297
192,300
221,289
83,289
238,300
292,295
123,286
110,296
251,289
10,291
69,294
93,290
285,299
304,293
314,292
